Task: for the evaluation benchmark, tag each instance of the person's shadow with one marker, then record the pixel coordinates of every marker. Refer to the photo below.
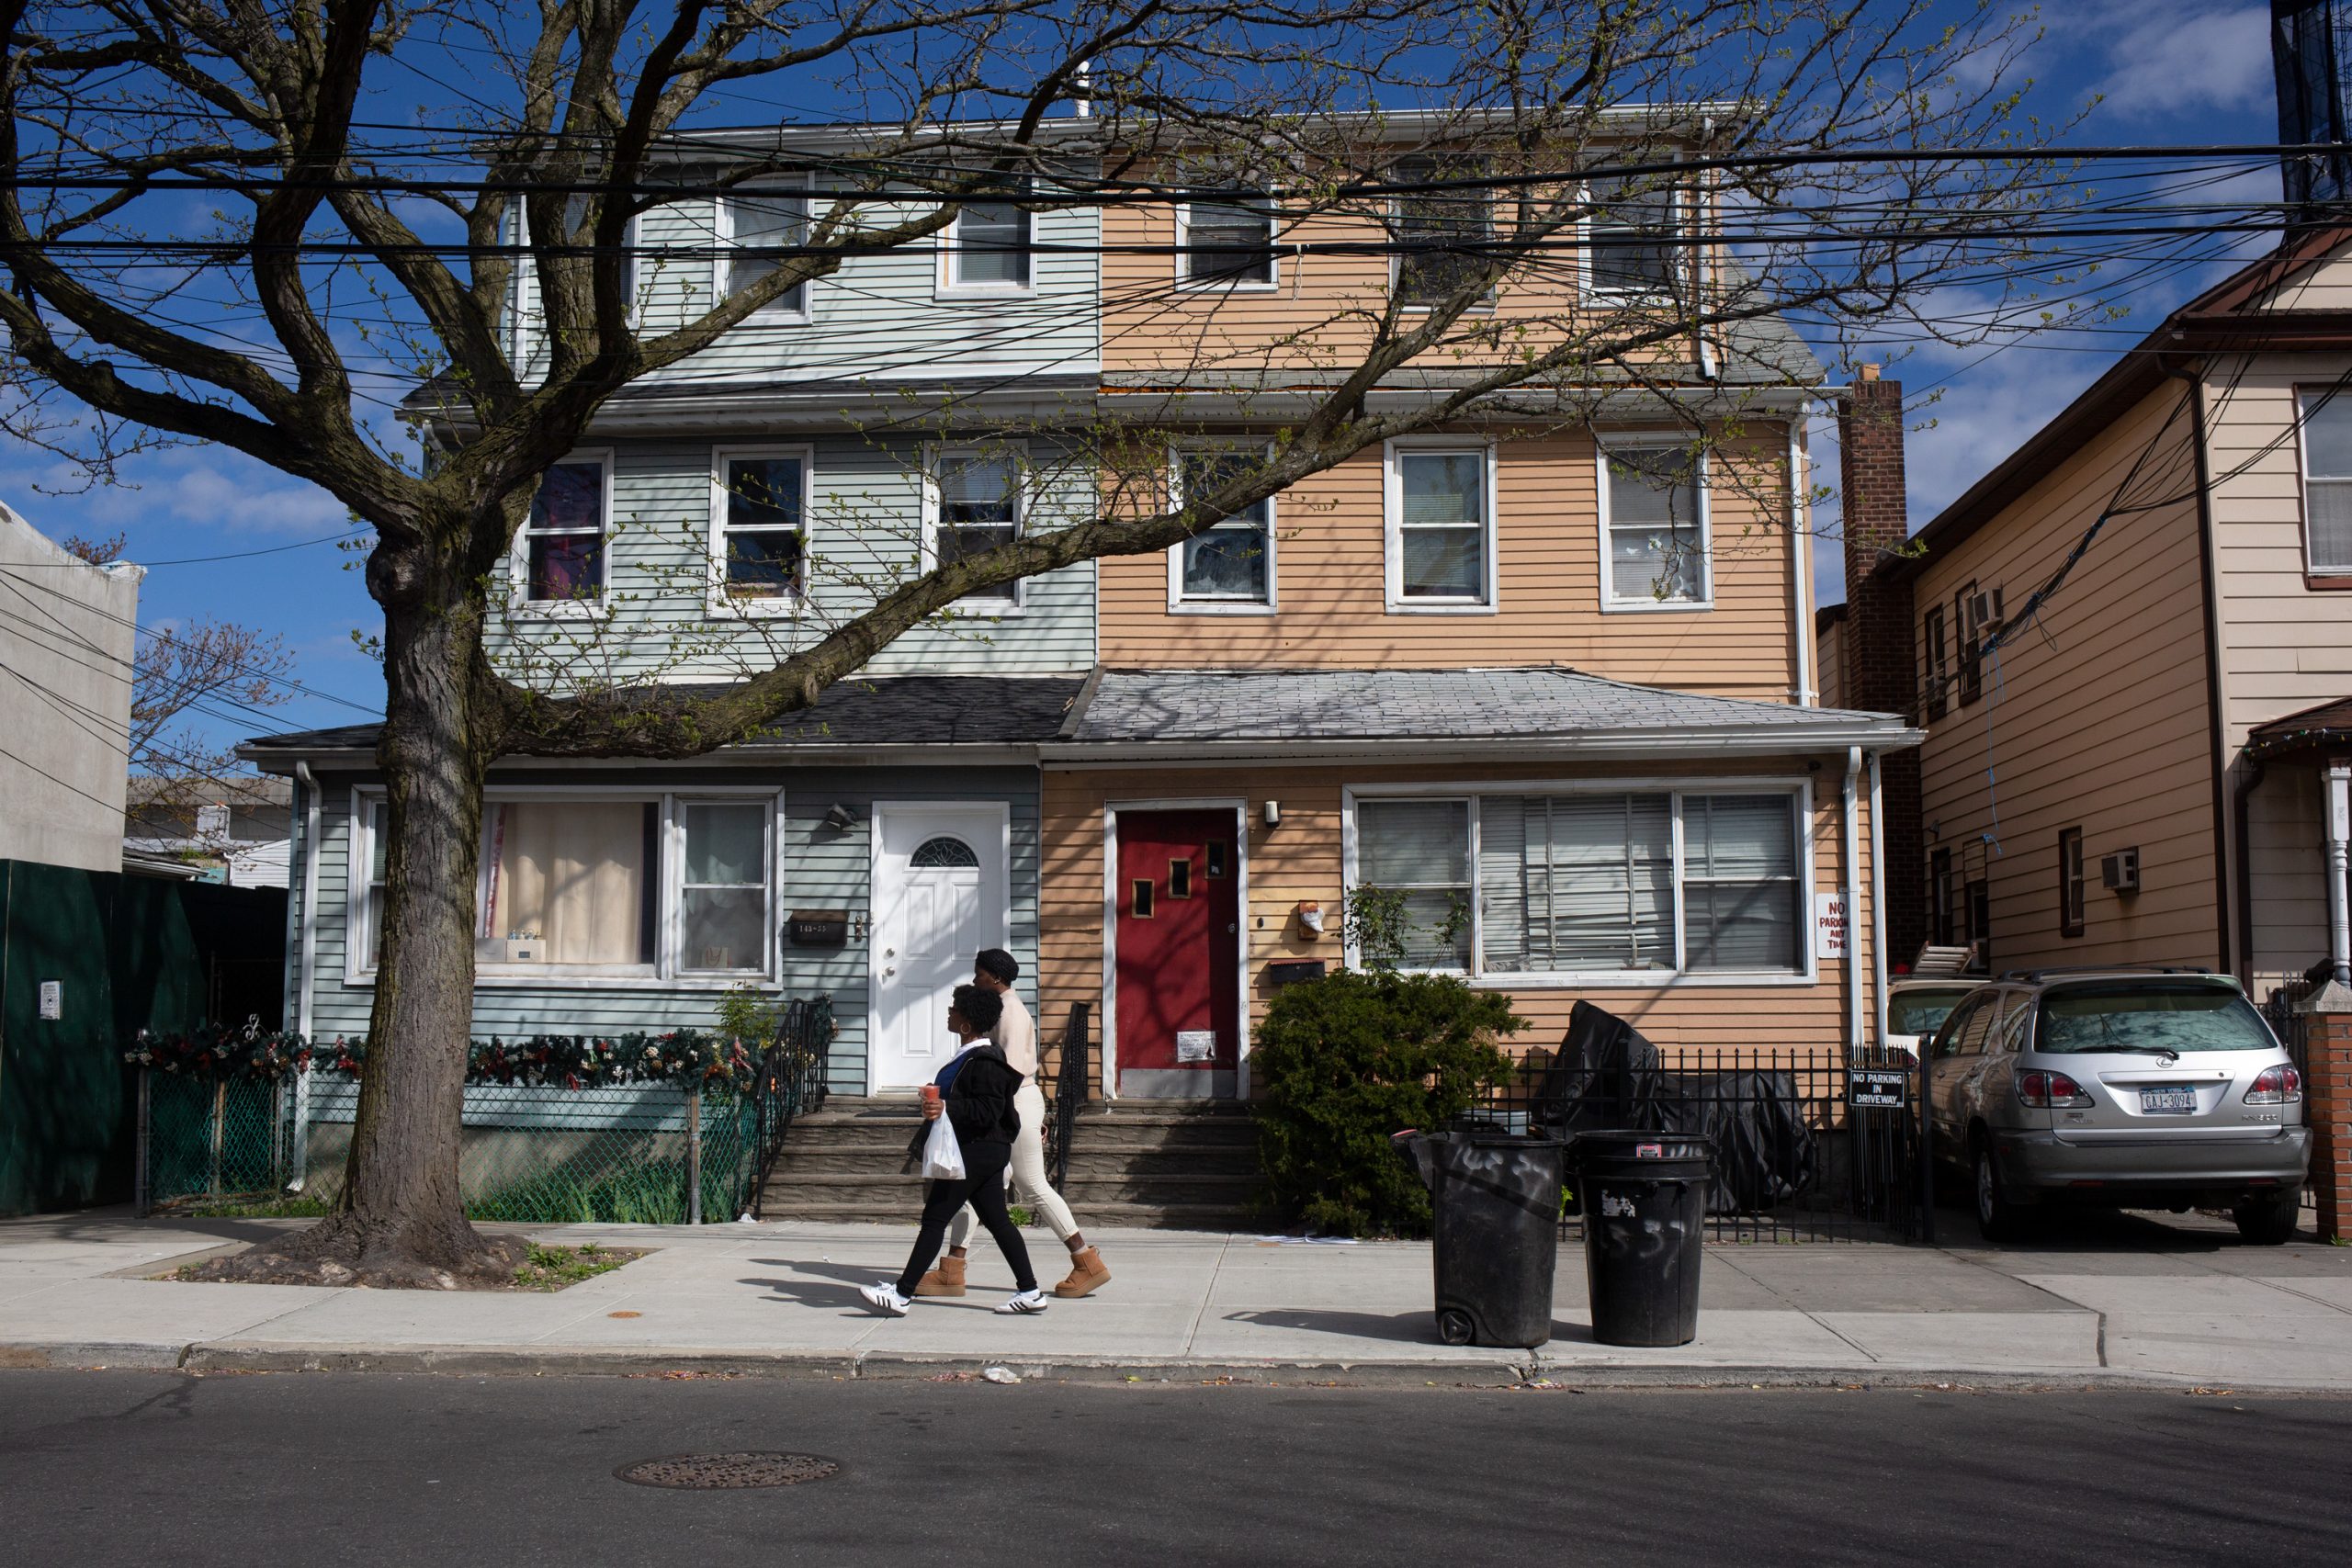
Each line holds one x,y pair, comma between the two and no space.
1412,1328
826,1284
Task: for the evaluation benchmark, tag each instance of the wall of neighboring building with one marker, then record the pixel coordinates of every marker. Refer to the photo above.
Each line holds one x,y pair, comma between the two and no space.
1331,553
2095,717
68,633
2286,645
1829,655
1303,858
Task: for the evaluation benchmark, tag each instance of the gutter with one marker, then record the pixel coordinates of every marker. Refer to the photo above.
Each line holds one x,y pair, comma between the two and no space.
1878,907
1498,748
1853,907
1800,559
2208,578
305,964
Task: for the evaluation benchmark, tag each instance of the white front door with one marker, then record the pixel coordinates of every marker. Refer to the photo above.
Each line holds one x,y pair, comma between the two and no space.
942,892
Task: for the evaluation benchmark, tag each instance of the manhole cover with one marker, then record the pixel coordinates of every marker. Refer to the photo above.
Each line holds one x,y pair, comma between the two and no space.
711,1472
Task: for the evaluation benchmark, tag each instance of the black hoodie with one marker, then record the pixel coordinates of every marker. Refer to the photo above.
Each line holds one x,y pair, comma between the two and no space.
979,1101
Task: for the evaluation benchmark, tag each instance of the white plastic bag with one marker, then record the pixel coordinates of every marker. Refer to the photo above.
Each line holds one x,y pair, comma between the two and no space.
942,1157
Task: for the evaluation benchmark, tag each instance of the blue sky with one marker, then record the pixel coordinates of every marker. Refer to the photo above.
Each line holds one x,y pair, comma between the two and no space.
2171,73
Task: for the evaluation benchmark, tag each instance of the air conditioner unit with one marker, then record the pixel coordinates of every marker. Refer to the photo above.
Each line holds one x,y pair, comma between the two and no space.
1985,610
2120,872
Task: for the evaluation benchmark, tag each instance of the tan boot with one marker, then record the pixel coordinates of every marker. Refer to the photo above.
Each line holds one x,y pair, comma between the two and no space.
947,1279
1087,1275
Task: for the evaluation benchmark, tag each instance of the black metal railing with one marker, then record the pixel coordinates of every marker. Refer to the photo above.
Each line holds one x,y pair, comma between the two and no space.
1806,1145
791,1079
1069,1092
2284,1009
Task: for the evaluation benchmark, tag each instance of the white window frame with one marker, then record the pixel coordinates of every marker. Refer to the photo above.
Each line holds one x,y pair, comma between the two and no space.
719,602
1228,284
952,285
668,971
1392,490
2304,396
722,263
1024,501
520,601
1181,603
1681,215
1610,604
1680,977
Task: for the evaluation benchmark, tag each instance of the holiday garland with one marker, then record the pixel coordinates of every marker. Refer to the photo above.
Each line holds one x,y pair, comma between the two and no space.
681,1056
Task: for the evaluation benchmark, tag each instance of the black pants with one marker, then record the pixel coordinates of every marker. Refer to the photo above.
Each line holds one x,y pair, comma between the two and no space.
983,1189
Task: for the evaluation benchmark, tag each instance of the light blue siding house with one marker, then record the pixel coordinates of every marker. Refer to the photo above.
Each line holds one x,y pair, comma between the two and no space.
721,515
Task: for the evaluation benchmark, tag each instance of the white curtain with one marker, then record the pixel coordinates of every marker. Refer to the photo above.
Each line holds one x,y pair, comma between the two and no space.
574,875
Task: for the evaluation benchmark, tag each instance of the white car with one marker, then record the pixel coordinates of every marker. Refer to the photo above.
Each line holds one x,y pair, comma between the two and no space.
1917,1008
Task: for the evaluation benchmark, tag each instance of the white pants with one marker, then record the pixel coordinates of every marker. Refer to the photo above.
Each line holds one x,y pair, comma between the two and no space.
1028,1174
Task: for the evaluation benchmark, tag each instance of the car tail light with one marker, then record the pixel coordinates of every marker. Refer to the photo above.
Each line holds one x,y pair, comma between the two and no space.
2281,1085
2043,1091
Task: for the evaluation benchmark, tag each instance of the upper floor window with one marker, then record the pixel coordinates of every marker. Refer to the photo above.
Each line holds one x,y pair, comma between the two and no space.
1441,233
1653,527
1227,242
1441,527
976,501
1936,647
2327,483
562,558
1231,566
987,246
759,549
758,230
1634,237
2071,906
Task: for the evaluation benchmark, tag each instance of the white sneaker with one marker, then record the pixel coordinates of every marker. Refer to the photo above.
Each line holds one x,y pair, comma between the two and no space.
883,1297
1023,1301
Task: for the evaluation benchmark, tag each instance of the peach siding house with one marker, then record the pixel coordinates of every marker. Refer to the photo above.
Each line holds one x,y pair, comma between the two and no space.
2133,642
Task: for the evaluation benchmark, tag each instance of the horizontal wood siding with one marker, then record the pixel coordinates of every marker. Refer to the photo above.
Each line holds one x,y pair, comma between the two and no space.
2095,717
1301,859
1330,562
865,541
823,868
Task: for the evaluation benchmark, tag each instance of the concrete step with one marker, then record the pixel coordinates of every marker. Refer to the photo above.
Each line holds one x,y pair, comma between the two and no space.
1168,1216
1142,1132
1088,1158
818,1159
881,1188
1088,1193
836,1212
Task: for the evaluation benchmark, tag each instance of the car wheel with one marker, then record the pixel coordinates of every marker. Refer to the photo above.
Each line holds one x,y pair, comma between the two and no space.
2270,1219
1998,1219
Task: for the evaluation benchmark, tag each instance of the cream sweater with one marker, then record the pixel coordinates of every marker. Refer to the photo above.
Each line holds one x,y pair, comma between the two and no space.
1017,1033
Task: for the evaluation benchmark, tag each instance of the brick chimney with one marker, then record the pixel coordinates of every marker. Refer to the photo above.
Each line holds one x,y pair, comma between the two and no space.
1878,639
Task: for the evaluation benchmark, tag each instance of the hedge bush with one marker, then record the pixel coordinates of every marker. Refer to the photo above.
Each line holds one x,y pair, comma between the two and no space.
1348,1059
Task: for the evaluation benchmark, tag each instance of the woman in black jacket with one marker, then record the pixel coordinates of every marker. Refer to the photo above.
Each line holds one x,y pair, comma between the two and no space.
976,1092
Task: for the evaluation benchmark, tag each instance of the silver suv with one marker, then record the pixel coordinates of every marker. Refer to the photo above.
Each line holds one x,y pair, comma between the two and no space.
2140,1089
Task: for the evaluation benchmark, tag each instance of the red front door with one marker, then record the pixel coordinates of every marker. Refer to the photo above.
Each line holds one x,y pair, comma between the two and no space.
1178,932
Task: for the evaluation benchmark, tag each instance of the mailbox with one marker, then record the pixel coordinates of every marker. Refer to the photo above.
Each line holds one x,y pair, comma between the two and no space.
819,927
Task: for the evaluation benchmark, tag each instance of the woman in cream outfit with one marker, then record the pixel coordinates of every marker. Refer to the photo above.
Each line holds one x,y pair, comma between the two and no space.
1017,1033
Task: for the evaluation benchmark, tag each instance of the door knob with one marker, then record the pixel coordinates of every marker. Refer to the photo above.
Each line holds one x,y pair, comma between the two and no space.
888,970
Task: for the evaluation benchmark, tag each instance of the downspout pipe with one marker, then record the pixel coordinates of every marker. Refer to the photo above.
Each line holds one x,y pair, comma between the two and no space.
1799,559
305,963
1878,907
2242,830
1853,906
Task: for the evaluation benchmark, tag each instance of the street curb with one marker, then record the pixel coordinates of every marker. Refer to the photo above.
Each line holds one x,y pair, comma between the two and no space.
1535,1372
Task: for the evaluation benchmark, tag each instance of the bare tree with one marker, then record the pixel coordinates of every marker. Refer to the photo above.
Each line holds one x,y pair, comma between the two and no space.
223,223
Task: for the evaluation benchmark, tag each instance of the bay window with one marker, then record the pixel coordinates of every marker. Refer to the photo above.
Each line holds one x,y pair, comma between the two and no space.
1624,885
1654,528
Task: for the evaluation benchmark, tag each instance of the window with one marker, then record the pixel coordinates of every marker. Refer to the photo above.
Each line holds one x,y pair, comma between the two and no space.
977,500
1653,518
2070,882
723,895
1937,662
1942,914
369,938
987,246
2327,484
1440,541
760,228
1739,883
1593,883
567,882
943,853
1974,616
760,508
1633,234
1420,849
1227,242
1441,234
1577,882
563,558
1232,563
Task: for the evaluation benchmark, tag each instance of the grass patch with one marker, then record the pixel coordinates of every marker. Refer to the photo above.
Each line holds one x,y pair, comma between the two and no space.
244,1206
555,1267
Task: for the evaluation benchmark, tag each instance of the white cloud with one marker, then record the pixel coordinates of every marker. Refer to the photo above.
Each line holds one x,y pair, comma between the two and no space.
2166,59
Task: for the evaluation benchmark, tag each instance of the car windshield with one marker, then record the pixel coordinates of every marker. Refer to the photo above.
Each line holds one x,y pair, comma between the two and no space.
2137,1015
1922,1011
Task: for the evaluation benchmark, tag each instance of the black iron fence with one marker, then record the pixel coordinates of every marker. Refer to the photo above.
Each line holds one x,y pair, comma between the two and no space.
1068,1092
1806,1148
790,1080
2283,1008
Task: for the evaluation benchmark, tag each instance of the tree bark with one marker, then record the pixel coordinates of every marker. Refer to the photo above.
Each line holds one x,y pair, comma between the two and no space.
400,1218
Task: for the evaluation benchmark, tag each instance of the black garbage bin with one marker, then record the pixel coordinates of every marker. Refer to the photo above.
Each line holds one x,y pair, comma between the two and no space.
1497,1198
1643,1197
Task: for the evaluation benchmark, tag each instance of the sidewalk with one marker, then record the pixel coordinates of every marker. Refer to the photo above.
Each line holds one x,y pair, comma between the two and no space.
2107,1301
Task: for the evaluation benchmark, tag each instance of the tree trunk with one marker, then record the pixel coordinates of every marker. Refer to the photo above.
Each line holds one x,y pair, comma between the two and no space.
401,1219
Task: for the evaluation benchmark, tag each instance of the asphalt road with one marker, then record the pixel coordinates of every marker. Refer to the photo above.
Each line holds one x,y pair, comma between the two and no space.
119,1468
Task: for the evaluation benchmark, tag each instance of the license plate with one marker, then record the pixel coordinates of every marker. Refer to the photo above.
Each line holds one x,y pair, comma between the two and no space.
2169,1101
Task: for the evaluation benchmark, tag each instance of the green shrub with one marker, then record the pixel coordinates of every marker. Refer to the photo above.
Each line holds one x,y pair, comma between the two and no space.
1350,1058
